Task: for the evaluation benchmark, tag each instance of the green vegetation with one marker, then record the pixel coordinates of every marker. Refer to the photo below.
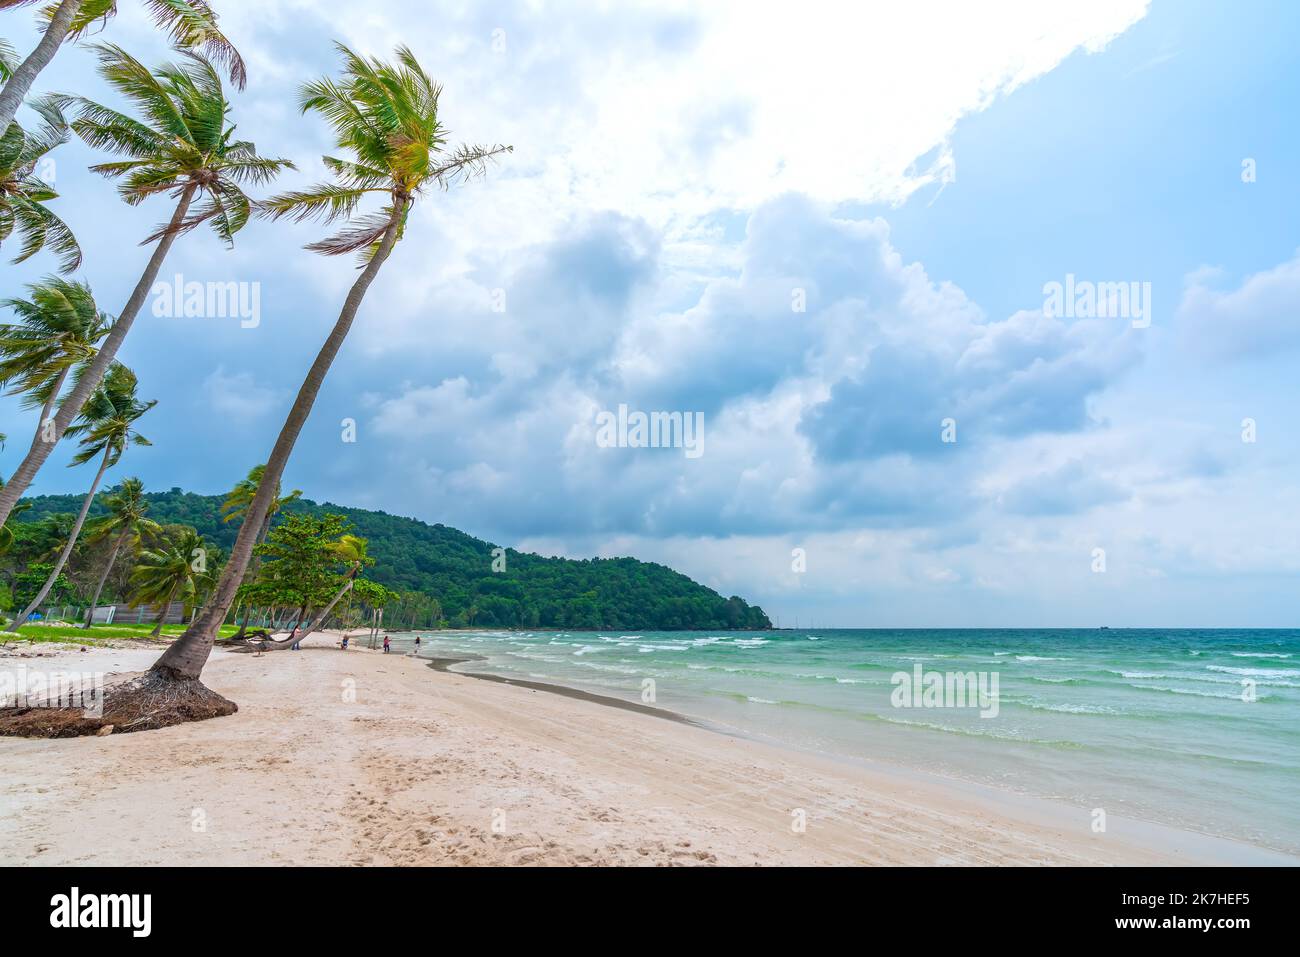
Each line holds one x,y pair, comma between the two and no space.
79,635
445,575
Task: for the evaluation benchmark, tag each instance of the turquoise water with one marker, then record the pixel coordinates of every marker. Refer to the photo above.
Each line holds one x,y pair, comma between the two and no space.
1145,723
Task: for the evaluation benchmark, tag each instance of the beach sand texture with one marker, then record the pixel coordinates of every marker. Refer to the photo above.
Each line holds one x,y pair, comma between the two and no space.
362,758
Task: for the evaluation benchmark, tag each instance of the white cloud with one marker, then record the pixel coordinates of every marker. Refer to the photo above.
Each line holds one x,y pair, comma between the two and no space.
238,395
1258,318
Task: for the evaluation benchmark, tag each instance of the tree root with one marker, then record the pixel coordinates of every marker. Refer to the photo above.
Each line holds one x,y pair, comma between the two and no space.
143,702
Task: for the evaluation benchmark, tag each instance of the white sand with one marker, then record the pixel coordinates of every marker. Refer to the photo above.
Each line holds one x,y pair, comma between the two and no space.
431,768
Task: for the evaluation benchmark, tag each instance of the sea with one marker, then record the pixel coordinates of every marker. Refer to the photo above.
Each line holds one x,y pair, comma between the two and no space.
1197,729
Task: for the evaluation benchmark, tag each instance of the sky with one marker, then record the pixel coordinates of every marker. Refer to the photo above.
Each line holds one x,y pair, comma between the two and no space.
829,238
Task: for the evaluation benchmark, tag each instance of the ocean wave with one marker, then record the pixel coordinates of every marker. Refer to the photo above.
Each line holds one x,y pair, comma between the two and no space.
1259,654
1057,681
1037,658
1198,694
1070,708
1256,672
985,731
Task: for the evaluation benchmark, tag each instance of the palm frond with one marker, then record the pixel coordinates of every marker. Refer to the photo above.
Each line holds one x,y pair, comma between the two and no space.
192,25
323,201
386,117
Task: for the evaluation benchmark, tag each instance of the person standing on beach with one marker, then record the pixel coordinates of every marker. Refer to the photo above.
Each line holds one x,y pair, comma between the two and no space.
417,644
385,644
345,642
294,646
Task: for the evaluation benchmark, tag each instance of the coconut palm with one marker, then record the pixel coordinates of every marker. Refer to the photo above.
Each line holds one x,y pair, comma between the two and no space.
173,570
126,522
236,505
7,529
23,193
58,330
8,60
235,508
189,24
351,551
185,147
386,116
107,427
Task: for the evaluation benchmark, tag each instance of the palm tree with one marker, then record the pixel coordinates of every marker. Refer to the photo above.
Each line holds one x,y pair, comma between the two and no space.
107,427
351,550
235,508
58,329
190,24
174,570
23,194
386,116
236,505
126,521
8,60
7,529
183,147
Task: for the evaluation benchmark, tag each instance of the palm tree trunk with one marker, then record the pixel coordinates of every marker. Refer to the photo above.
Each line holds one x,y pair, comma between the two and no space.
11,97
72,538
71,406
112,560
162,614
49,404
186,656
320,619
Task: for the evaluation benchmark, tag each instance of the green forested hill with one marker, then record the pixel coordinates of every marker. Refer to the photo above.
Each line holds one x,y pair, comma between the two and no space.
456,569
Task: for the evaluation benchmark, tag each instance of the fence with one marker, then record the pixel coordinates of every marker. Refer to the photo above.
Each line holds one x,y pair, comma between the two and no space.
116,614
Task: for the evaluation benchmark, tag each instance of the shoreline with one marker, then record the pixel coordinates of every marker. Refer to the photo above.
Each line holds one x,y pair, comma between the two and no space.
444,665
365,758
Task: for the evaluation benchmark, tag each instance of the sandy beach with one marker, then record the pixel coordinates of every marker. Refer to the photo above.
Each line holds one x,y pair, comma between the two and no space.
362,758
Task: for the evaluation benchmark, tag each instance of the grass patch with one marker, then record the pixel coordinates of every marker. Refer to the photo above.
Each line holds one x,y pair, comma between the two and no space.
74,634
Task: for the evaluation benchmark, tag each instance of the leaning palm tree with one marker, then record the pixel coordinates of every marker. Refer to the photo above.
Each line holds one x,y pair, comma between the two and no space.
185,147
190,25
57,330
23,193
351,551
235,508
126,522
107,427
174,570
386,116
